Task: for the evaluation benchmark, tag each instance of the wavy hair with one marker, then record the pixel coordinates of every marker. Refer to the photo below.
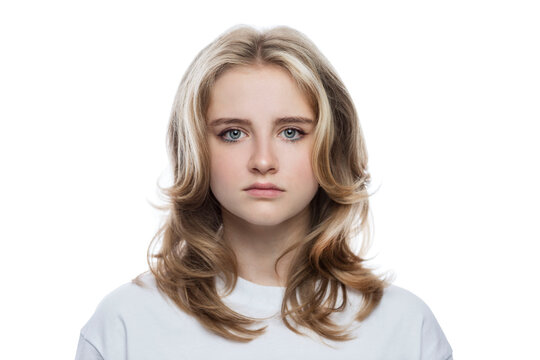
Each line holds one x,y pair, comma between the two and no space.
192,254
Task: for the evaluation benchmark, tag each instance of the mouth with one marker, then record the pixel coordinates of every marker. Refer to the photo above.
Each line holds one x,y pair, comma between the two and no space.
267,190
267,193
263,186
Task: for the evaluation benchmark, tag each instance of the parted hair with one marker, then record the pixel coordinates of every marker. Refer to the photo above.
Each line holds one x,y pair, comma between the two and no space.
191,253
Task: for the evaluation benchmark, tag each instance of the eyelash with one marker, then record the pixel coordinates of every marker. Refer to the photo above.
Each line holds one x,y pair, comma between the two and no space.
302,133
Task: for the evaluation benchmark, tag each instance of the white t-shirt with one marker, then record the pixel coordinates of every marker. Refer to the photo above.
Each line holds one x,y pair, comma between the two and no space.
134,322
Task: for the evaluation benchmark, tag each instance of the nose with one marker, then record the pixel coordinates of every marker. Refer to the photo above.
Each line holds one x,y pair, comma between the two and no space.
263,158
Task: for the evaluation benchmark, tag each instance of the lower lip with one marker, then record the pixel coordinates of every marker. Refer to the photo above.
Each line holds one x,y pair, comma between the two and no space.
269,193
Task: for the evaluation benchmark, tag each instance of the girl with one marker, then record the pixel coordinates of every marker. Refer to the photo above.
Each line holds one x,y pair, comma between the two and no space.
270,189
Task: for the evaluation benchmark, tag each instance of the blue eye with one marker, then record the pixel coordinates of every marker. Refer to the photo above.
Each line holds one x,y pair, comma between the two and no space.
292,131
288,132
234,134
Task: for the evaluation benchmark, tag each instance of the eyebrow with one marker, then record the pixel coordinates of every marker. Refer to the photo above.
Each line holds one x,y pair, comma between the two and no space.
279,121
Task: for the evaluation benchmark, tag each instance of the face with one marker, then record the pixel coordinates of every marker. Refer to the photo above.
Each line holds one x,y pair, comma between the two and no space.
260,130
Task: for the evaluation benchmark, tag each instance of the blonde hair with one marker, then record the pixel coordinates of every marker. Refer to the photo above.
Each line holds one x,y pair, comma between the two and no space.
191,253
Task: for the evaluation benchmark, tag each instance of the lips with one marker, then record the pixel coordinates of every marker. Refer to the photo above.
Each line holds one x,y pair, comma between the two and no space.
263,186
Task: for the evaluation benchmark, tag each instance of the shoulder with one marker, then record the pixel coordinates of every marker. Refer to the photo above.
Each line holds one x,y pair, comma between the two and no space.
396,305
405,319
403,307
128,296
397,300
127,307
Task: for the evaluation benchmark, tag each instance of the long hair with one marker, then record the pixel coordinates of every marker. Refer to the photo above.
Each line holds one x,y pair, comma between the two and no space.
192,253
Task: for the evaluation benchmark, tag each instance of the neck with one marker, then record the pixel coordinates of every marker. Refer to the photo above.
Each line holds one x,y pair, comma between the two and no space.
257,247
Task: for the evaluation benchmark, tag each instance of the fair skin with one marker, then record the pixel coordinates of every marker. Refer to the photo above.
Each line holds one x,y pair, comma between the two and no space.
260,228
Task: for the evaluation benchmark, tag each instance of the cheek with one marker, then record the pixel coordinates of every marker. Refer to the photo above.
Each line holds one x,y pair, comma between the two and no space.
224,168
299,169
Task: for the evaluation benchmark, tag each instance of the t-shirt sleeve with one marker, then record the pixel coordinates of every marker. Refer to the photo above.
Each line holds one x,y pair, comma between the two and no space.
435,346
87,351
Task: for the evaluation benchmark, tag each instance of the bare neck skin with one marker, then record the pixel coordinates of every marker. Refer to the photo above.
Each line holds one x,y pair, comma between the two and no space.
258,247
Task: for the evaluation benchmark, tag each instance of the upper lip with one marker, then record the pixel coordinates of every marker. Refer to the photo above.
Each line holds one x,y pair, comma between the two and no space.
259,185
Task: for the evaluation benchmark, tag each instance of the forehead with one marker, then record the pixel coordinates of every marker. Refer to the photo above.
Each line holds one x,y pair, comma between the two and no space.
255,91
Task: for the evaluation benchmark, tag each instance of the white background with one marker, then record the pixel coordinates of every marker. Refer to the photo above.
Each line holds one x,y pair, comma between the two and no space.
448,97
